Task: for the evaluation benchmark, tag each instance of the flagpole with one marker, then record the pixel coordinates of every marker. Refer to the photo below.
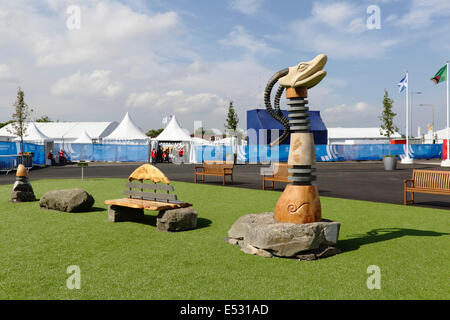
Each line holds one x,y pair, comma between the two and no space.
407,159
446,162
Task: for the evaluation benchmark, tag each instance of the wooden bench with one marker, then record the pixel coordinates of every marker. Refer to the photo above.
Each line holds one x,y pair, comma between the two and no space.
278,172
214,168
154,196
426,181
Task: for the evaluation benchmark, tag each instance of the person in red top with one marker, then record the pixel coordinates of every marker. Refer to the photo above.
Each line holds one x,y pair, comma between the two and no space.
153,156
61,157
51,157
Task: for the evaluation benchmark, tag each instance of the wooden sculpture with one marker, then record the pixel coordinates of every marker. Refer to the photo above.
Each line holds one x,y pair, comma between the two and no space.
299,203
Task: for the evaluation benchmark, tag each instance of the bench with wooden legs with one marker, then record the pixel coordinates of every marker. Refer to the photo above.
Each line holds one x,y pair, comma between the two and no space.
214,168
426,181
142,196
277,172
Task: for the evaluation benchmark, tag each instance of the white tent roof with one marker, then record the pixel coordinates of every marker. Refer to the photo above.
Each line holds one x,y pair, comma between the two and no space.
198,140
32,133
84,138
173,132
441,134
69,130
127,131
357,133
225,141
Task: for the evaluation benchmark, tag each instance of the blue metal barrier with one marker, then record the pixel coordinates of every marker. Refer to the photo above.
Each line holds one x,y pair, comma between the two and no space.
103,152
10,150
265,154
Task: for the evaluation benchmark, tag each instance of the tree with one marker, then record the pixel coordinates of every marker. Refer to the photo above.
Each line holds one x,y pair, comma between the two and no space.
387,127
232,119
204,132
154,132
44,118
199,132
2,124
20,116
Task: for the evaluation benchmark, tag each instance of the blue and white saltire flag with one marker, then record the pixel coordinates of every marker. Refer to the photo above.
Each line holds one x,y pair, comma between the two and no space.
402,84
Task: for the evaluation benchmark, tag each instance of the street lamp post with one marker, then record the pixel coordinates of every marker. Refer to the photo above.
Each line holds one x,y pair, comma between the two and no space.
410,112
432,112
407,159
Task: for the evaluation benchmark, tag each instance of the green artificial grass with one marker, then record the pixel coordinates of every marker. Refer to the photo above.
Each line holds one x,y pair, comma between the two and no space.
135,261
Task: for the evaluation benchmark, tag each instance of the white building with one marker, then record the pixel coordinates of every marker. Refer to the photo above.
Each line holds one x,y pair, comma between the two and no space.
436,136
357,136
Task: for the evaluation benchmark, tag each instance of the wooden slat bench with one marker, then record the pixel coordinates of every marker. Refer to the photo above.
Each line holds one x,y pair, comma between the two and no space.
144,196
214,168
278,172
426,181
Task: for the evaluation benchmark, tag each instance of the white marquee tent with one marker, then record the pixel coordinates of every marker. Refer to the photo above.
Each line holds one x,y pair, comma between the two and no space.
33,135
173,133
127,132
66,132
84,138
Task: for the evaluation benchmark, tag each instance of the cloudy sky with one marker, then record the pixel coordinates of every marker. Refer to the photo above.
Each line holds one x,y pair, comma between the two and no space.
190,58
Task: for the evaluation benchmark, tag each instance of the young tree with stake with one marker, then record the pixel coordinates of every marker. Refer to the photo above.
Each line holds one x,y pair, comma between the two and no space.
232,119
387,127
20,117
231,124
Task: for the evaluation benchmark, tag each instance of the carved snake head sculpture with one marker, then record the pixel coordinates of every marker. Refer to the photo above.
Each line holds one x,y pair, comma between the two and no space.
305,74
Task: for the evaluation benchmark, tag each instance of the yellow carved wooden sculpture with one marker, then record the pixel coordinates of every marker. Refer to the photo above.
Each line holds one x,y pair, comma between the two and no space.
148,172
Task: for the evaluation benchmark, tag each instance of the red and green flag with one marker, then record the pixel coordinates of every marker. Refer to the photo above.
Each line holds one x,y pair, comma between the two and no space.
440,76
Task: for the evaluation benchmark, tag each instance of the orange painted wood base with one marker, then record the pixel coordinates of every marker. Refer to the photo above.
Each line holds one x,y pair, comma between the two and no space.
299,204
299,92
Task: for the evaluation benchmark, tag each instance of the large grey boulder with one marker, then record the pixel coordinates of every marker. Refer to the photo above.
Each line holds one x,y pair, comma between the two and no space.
177,219
262,231
68,200
239,229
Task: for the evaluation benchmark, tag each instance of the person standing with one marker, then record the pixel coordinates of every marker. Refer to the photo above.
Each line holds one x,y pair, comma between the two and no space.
153,156
61,157
51,158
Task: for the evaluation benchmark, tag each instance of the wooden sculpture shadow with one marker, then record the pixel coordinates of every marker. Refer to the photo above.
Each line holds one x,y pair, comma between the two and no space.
383,234
150,220
434,204
97,209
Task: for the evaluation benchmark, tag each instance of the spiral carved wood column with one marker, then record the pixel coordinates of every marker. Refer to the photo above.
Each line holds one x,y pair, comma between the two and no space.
299,203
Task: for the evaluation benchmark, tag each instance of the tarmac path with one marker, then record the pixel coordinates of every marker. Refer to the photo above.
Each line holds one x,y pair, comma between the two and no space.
365,180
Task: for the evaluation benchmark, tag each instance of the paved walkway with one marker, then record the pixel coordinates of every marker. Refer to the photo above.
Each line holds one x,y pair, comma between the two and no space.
365,180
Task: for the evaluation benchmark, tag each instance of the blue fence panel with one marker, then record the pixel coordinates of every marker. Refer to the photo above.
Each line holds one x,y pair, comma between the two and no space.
8,148
11,148
264,153
376,151
135,153
38,152
103,152
121,153
206,153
